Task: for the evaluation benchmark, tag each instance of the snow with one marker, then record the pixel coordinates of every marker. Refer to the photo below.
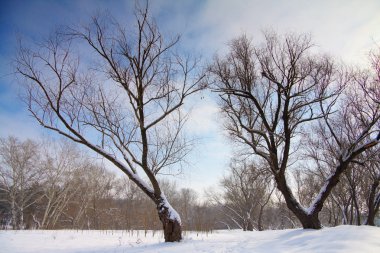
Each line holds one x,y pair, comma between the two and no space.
312,206
173,215
338,239
371,142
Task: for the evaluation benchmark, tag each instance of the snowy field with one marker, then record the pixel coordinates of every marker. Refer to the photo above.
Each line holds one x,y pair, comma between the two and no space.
338,239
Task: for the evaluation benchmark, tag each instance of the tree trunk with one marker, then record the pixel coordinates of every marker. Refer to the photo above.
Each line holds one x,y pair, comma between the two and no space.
371,217
14,215
373,200
170,222
260,219
309,218
249,225
308,221
21,225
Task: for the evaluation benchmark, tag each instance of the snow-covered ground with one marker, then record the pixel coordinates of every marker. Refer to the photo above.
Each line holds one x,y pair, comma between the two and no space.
338,239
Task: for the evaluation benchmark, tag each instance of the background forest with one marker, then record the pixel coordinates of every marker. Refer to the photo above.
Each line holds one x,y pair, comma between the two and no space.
54,185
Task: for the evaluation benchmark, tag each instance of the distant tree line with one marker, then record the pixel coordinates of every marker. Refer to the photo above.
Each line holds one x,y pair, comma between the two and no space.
55,185
51,185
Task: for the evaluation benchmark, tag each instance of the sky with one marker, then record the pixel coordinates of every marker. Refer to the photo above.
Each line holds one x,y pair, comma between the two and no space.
345,29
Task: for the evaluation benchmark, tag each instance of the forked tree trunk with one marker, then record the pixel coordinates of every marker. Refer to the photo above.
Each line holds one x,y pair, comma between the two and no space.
308,220
309,217
170,222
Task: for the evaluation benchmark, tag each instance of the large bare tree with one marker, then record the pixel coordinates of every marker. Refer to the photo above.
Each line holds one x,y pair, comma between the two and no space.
123,103
272,94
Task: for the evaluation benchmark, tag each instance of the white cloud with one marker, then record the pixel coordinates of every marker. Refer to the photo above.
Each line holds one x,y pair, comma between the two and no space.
346,29
203,117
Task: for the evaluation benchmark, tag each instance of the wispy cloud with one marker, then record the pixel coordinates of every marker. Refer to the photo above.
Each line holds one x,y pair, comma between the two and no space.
345,29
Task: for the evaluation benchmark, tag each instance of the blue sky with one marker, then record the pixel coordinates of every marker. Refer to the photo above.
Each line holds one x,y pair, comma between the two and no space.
346,29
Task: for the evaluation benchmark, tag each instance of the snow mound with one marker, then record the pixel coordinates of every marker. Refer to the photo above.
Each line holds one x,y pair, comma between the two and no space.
338,239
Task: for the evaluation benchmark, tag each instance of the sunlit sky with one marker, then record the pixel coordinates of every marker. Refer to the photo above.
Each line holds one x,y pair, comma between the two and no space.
345,29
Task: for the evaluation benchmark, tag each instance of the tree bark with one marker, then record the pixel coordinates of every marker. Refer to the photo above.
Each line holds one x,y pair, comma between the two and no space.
249,225
260,219
14,215
171,226
21,224
310,221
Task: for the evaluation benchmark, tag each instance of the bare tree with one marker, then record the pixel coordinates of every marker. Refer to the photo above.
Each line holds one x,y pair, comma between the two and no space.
131,196
366,197
356,196
370,78
246,193
345,140
89,209
60,164
20,173
126,108
272,94
370,83
187,200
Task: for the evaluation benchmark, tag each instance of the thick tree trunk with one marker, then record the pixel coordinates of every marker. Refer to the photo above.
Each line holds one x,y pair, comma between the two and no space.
371,218
170,222
308,221
249,225
309,218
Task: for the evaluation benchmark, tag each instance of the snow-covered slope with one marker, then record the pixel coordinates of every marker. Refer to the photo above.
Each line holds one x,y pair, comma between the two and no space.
339,239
